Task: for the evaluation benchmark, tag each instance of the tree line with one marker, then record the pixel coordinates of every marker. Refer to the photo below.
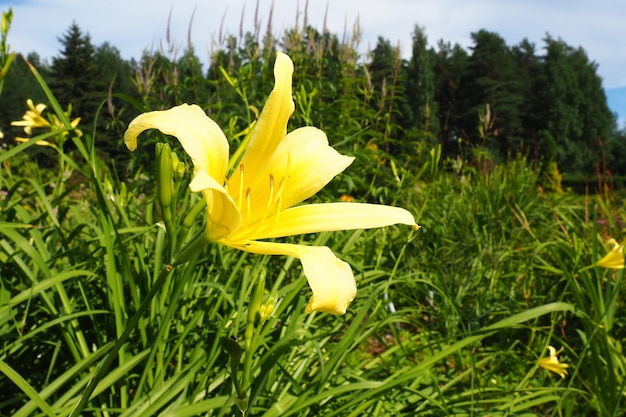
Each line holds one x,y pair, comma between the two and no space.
493,102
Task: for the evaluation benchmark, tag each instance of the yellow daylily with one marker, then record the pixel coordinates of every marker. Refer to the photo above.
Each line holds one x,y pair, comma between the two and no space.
277,171
615,258
552,364
32,118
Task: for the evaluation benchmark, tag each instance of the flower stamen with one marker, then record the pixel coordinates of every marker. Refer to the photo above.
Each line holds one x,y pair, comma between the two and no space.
281,190
270,198
248,209
240,197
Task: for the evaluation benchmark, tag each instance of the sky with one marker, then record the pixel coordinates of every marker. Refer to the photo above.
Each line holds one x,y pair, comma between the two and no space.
132,26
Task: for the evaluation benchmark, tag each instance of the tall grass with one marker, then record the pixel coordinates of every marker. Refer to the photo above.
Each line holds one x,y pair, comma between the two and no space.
450,321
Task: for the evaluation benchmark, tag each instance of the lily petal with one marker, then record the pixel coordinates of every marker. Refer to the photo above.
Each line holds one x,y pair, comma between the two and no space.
313,218
200,136
551,363
301,166
312,164
330,278
271,126
223,217
615,258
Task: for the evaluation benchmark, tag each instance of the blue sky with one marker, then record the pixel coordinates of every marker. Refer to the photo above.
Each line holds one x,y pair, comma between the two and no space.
616,97
134,25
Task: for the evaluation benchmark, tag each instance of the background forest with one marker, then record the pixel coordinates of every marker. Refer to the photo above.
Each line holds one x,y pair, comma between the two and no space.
508,301
493,103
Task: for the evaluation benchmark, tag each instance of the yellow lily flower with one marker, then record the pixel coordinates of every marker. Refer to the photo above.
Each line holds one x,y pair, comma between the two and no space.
552,364
277,172
615,258
32,118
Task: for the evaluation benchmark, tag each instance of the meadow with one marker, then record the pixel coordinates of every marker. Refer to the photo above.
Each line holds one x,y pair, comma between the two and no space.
454,319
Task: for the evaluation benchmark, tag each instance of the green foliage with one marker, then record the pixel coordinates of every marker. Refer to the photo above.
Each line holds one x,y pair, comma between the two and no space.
577,113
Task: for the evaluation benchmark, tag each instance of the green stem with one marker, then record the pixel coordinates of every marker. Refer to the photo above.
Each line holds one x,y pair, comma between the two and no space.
191,249
132,324
252,331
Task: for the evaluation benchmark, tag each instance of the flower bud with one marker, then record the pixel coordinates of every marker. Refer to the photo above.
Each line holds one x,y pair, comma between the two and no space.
268,307
164,177
257,297
6,21
178,167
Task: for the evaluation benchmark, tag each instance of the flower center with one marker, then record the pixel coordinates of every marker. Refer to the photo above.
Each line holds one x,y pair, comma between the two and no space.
261,202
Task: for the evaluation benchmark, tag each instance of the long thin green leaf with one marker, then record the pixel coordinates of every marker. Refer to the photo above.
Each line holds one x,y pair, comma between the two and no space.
27,389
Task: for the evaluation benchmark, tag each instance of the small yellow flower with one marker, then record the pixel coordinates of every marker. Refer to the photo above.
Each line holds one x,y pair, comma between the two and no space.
346,198
260,199
32,118
552,364
615,258
371,146
58,124
268,306
375,152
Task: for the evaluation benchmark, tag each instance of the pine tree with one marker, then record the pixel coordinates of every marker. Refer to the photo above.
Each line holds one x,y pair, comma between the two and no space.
450,64
388,73
194,86
382,64
75,76
421,112
491,78
529,70
575,110
115,77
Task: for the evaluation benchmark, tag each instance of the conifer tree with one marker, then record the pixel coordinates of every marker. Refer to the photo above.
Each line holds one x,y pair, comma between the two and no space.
450,64
387,73
491,79
75,76
382,64
194,86
421,113
575,109
529,70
